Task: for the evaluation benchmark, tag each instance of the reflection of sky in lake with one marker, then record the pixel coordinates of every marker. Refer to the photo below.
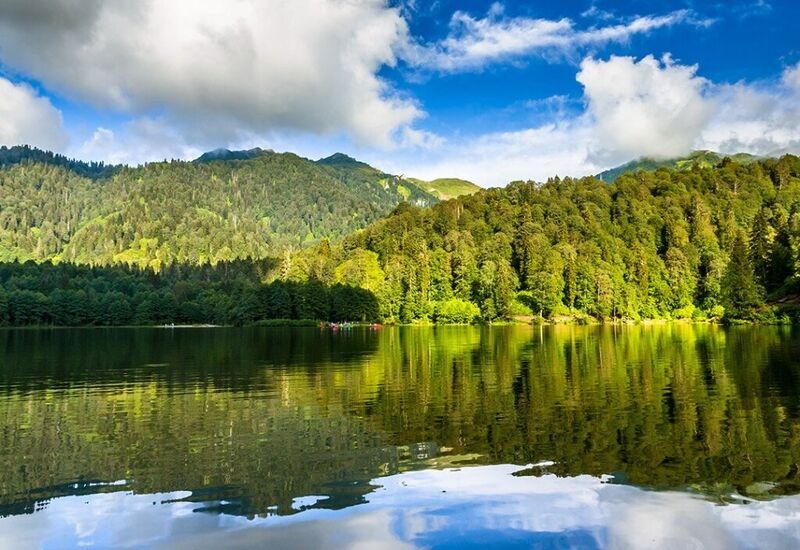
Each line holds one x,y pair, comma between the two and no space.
470,507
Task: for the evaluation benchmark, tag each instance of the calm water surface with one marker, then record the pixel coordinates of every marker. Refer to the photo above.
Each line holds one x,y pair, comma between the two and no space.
400,437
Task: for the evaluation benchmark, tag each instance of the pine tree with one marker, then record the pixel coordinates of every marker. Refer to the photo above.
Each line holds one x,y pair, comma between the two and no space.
742,296
762,238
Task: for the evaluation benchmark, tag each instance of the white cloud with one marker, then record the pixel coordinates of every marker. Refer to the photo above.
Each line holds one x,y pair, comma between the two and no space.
494,159
417,139
759,118
191,75
27,118
219,70
791,79
139,141
635,108
474,43
593,12
646,108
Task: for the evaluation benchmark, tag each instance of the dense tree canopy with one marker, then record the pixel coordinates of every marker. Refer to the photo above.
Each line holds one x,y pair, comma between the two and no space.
228,293
272,236
697,243
190,213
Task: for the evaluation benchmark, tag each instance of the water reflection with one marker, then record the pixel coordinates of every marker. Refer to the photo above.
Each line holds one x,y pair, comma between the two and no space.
249,420
468,507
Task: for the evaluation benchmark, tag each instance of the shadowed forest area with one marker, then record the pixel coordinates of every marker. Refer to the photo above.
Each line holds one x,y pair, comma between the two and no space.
227,293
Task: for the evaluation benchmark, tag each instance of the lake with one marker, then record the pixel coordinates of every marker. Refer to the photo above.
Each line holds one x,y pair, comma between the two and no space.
401,437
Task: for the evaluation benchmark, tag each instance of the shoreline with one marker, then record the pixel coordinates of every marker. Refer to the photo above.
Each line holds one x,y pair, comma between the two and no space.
517,321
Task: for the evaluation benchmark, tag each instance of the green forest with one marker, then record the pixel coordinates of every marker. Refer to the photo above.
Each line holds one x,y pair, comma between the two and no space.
718,242
239,239
193,213
230,293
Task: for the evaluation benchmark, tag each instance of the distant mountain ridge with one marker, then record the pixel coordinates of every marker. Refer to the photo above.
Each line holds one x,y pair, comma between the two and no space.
702,159
340,160
447,188
227,154
17,154
224,205
442,188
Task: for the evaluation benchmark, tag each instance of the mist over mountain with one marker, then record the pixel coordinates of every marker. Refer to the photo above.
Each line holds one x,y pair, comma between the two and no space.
700,159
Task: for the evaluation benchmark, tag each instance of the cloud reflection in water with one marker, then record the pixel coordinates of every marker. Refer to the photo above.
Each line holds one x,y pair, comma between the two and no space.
457,508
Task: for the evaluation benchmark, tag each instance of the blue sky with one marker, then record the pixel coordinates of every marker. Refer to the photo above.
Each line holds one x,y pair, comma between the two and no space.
488,91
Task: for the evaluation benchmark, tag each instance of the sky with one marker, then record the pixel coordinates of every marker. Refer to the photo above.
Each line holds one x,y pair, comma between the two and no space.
487,91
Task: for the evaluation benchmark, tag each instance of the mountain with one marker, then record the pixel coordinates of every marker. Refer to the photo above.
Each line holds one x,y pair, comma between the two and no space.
382,187
226,205
701,159
447,188
722,242
342,161
19,154
227,154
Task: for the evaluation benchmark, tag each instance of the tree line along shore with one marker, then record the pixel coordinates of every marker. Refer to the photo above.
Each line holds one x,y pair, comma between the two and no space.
715,243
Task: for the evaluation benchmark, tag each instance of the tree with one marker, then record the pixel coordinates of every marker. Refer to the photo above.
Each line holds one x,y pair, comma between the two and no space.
742,295
484,290
455,311
682,279
279,305
505,288
762,239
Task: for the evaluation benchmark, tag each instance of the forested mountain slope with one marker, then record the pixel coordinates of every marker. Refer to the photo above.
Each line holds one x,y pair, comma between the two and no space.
382,188
700,159
701,243
18,154
219,208
447,188
670,243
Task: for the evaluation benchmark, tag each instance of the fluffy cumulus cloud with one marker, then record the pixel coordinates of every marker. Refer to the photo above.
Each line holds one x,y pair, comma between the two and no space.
634,108
138,141
26,117
215,69
474,43
662,109
189,75
760,118
559,148
645,108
